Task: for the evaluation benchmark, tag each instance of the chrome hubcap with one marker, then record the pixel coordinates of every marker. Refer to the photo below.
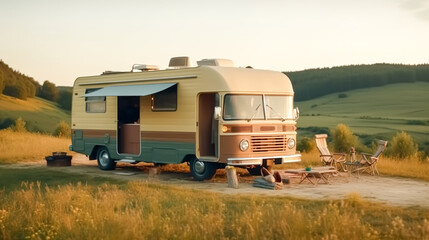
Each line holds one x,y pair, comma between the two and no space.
104,158
199,167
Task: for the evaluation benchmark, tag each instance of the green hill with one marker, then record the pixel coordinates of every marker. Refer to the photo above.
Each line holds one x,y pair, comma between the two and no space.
41,115
16,84
378,112
313,83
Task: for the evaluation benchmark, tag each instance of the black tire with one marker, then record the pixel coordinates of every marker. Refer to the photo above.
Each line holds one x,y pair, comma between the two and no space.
105,162
256,170
202,170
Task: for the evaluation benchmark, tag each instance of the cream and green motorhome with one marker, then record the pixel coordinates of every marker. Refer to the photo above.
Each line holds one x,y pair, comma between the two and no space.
211,115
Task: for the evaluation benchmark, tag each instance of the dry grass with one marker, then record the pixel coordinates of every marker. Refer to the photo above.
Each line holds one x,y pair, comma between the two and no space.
26,146
140,210
410,167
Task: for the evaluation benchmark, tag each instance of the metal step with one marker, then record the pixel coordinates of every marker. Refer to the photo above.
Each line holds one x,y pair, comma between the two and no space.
127,160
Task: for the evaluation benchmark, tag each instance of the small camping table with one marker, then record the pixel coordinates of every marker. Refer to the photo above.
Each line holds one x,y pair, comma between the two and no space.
315,174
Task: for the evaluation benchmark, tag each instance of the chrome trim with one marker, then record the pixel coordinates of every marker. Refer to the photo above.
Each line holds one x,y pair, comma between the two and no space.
258,160
139,80
292,158
252,161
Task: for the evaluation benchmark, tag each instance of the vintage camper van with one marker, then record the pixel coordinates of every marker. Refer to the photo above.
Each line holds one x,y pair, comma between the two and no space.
210,116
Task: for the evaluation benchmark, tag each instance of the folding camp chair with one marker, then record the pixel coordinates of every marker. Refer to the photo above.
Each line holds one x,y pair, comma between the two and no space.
368,162
335,159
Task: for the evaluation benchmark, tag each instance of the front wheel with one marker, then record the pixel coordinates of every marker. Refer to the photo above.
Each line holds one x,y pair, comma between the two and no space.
105,162
202,170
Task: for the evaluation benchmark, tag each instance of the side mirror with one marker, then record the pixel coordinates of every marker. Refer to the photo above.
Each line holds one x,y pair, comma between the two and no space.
217,113
295,113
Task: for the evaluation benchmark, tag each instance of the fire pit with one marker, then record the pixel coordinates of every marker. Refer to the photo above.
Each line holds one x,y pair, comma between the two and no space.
58,159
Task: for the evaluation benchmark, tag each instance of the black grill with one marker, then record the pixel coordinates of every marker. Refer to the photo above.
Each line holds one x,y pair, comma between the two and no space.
268,143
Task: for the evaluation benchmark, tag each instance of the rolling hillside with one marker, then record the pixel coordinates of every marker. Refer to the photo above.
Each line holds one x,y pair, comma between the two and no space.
41,115
380,112
312,83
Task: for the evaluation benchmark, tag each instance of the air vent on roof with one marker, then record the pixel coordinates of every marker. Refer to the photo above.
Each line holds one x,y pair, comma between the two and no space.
216,62
144,67
179,62
111,72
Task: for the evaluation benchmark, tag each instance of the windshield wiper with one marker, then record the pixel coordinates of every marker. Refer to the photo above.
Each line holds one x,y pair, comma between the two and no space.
254,114
281,117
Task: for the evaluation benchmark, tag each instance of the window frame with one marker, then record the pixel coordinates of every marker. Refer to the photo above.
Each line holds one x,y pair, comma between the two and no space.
264,106
89,100
165,95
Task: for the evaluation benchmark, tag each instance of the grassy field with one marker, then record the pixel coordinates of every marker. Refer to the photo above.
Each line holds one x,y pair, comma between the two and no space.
25,146
380,111
39,114
143,210
41,203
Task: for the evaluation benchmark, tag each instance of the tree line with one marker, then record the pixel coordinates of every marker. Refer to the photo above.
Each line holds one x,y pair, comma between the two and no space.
18,85
308,84
313,83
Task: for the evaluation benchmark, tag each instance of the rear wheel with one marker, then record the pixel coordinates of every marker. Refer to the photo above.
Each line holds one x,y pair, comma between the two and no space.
105,162
202,170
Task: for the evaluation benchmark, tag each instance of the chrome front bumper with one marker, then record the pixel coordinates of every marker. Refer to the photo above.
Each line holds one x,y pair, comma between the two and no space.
258,161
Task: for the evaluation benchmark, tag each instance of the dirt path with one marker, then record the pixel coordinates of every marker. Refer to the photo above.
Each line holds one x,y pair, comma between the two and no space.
393,191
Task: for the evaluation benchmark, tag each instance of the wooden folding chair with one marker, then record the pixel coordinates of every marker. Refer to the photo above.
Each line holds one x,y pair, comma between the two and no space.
368,162
335,159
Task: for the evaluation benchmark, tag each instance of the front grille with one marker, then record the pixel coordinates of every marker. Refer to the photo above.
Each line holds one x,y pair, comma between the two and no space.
268,143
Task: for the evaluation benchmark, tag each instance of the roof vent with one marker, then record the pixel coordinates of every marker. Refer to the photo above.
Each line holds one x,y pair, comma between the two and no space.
144,67
216,62
111,72
179,62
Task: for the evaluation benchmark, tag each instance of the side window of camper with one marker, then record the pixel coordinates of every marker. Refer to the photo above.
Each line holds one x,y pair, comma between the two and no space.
165,100
95,104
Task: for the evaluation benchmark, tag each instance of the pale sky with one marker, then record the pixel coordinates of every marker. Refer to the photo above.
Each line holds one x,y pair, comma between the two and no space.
60,40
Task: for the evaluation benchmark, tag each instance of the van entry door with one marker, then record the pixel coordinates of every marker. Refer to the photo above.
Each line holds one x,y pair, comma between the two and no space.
208,126
128,134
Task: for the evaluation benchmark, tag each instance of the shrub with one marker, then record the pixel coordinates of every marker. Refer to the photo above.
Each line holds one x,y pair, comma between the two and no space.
306,145
6,123
342,95
423,156
19,125
49,91
15,91
62,130
343,139
403,146
65,99
417,122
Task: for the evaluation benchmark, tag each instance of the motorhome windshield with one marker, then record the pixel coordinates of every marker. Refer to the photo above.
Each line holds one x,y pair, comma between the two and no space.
257,107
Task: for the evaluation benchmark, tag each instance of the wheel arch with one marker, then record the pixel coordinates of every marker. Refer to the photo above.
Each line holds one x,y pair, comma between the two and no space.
188,158
94,151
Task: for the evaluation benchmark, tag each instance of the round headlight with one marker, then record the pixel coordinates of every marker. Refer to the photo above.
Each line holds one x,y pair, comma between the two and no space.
291,143
244,145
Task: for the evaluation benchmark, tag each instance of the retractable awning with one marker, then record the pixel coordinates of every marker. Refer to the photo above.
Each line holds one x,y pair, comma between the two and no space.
130,90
